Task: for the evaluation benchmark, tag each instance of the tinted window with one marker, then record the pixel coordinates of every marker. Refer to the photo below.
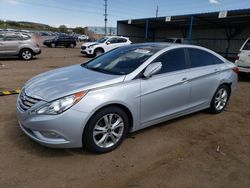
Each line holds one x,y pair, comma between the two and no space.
201,58
122,60
113,40
12,38
247,45
121,40
173,60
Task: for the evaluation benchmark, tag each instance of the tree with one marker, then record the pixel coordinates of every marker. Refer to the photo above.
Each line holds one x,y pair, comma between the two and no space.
63,28
79,30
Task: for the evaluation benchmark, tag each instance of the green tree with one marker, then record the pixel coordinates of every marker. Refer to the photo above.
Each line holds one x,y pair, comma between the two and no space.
63,28
79,30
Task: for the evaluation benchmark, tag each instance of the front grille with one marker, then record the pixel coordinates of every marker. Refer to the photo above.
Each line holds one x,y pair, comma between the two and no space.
83,47
26,102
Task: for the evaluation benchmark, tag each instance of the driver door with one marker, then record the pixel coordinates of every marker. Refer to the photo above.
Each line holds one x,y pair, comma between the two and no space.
166,93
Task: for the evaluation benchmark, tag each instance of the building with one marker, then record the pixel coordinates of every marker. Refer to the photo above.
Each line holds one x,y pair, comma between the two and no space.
223,32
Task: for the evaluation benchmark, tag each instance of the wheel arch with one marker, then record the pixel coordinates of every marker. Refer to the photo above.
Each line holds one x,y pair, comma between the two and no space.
25,48
122,106
100,48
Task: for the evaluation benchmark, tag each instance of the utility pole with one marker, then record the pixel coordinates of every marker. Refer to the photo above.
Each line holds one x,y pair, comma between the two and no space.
157,11
105,15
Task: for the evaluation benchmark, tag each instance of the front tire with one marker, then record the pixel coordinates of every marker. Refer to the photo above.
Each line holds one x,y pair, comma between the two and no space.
220,99
98,52
26,54
106,130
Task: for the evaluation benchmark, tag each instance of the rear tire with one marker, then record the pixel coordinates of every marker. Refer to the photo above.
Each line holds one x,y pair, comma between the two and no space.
106,130
53,45
72,45
26,54
220,99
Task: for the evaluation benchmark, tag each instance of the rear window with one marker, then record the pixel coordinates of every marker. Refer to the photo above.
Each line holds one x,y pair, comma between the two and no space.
247,45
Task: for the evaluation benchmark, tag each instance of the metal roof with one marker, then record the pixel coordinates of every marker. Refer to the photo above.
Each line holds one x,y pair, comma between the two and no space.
234,18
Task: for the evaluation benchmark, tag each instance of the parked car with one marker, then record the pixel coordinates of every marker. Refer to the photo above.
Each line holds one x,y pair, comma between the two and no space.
243,61
12,44
95,104
66,41
83,38
104,45
174,40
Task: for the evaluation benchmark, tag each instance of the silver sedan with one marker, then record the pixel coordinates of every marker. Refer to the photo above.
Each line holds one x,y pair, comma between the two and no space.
96,104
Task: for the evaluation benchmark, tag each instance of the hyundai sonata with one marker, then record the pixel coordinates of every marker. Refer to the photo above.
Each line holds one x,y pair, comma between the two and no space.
95,104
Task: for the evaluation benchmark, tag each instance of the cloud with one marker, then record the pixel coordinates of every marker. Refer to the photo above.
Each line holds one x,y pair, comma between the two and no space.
214,2
12,2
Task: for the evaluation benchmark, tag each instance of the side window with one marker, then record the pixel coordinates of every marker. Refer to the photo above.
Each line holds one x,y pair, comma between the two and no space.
247,45
121,40
1,37
113,40
12,38
200,58
173,60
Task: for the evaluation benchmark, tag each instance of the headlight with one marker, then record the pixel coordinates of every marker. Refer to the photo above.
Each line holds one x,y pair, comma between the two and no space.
60,105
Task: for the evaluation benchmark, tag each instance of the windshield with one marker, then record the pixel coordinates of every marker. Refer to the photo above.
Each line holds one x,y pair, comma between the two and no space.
102,40
121,61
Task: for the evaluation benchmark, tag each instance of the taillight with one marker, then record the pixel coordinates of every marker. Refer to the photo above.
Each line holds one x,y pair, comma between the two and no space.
236,70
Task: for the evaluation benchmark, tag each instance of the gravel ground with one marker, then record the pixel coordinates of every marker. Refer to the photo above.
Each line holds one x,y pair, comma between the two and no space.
199,150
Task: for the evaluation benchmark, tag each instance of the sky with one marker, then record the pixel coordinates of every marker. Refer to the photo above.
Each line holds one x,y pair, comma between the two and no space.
83,13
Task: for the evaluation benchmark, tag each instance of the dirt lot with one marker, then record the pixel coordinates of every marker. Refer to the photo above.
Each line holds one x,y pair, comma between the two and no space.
200,150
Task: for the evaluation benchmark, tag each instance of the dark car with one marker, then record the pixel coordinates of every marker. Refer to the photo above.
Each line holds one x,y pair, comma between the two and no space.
67,41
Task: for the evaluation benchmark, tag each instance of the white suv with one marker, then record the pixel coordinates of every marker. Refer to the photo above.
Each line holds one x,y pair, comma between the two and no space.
243,61
103,45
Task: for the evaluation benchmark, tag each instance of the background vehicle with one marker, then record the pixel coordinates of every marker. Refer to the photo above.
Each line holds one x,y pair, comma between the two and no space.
243,61
21,45
173,40
97,103
83,38
66,41
104,45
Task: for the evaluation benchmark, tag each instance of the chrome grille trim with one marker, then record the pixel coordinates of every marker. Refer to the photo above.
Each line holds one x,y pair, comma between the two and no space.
26,102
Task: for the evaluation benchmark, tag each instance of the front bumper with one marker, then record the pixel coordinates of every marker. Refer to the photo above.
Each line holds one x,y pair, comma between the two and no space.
66,128
87,51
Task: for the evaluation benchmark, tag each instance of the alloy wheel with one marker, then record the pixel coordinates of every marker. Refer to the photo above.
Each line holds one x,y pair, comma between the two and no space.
221,99
108,130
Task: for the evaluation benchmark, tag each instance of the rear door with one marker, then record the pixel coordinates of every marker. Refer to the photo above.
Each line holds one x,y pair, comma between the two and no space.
1,46
166,93
205,70
244,56
11,43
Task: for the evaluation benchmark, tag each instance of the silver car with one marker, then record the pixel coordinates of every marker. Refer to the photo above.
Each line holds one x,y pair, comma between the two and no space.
95,104
12,44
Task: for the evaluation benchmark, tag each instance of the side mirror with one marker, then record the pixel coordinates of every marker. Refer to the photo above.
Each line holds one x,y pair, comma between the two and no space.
108,43
152,69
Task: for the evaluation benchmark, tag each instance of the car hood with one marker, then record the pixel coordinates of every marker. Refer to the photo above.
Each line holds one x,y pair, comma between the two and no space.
61,82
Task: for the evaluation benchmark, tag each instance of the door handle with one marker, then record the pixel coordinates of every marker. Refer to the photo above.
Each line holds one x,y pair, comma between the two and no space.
217,70
184,80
